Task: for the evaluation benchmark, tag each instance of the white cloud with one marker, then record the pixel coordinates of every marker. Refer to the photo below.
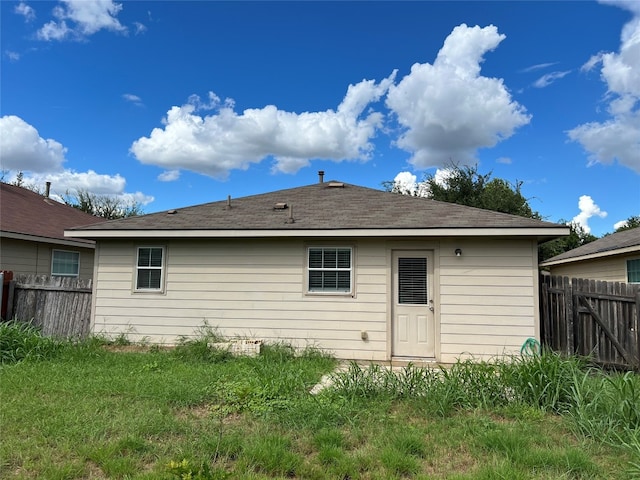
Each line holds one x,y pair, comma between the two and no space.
41,160
539,66
620,224
406,182
26,11
69,181
140,28
549,78
13,56
135,99
169,176
588,209
86,17
617,138
505,160
448,109
22,148
631,5
225,140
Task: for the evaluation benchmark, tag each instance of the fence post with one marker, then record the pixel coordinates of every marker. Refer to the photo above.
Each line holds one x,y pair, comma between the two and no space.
6,295
10,299
570,309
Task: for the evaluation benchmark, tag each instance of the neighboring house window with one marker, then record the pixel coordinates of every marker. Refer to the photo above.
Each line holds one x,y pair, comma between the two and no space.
150,268
633,271
65,263
330,269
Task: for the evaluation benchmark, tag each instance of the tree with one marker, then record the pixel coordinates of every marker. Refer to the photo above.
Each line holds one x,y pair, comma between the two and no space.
631,222
464,185
577,237
106,206
19,181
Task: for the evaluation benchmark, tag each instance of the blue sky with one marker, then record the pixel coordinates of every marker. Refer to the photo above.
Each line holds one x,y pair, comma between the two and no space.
181,103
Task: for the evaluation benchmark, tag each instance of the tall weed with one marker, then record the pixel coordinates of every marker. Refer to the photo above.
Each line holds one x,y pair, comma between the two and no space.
21,340
607,406
544,381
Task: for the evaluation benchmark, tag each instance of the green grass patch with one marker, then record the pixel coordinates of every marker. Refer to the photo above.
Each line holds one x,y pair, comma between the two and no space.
98,409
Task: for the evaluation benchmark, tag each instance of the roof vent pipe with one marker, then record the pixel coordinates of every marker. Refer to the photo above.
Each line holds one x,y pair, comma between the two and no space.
290,219
321,176
47,189
228,201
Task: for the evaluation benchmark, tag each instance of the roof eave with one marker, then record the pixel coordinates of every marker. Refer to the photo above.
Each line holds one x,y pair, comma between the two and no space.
592,256
537,232
86,242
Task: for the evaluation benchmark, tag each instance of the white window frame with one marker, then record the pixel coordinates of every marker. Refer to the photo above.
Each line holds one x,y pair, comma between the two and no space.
53,254
351,270
137,268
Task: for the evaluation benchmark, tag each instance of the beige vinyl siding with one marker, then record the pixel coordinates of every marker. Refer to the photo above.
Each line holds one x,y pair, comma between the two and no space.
488,304
610,269
34,258
485,301
244,288
19,256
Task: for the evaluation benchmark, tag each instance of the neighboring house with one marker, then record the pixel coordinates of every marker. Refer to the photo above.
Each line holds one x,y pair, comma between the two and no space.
362,273
32,237
614,258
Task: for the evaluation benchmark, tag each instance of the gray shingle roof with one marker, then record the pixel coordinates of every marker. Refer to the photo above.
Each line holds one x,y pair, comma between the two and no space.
610,243
322,206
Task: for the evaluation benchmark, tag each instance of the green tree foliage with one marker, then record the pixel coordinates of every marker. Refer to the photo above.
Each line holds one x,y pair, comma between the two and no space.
105,206
577,237
464,185
631,222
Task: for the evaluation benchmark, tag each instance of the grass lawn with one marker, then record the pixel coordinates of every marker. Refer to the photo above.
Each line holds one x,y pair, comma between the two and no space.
87,411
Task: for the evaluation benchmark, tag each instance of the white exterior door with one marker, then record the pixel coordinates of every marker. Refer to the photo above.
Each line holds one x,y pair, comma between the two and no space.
413,323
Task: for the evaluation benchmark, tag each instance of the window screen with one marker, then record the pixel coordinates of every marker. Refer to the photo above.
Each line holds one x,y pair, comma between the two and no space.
412,281
65,264
329,269
149,268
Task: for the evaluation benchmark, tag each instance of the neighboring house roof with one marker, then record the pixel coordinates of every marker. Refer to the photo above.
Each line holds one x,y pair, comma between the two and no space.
627,241
323,209
27,215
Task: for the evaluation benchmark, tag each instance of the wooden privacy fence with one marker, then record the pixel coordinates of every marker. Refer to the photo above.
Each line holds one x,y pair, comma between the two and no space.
596,319
59,306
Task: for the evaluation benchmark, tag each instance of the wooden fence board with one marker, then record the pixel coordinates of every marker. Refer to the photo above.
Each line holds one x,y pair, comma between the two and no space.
59,306
592,318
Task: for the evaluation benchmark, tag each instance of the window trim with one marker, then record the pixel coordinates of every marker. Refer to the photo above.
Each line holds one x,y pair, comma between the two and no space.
162,269
627,270
352,268
70,275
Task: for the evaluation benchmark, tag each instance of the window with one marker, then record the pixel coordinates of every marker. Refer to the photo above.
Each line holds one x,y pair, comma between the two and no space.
330,269
633,271
412,281
149,268
65,263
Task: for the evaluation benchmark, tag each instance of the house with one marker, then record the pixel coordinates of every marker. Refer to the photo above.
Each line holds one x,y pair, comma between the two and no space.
365,274
32,239
614,258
